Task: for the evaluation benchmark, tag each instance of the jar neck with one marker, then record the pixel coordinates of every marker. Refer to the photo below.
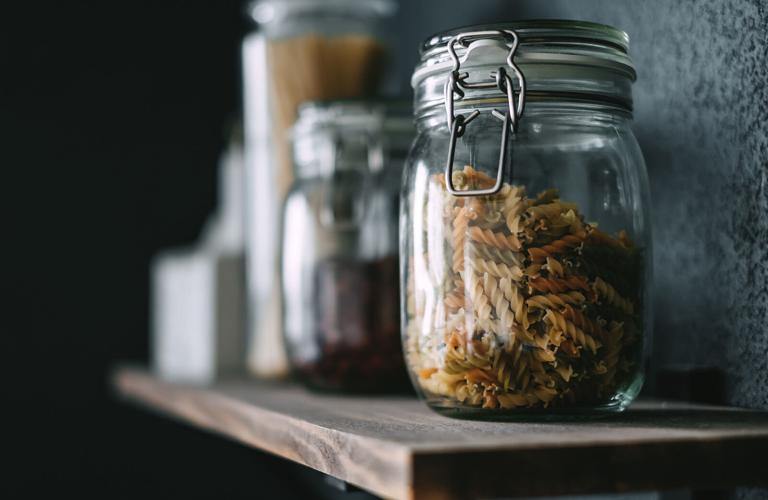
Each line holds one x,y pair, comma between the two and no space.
324,154
609,92
347,137
536,109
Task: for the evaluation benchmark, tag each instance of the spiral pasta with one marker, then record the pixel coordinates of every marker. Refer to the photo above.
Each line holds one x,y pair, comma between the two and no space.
480,301
495,269
501,306
495,254
578,318
458,236
556,300
611,296
499,240
533,316
557,321
557,285
562,245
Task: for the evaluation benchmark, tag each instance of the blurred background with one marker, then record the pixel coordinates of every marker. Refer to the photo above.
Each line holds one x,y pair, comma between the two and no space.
113,116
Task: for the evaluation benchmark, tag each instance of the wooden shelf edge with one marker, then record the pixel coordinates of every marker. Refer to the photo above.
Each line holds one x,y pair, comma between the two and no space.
708,448
349,458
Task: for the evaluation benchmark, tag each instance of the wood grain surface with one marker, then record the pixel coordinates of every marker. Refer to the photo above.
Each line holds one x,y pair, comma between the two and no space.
396,447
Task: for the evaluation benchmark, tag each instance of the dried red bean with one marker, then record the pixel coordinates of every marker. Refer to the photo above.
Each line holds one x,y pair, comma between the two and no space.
356,314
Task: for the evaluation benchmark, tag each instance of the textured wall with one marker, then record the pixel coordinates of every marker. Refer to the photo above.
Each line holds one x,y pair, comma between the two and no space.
702,119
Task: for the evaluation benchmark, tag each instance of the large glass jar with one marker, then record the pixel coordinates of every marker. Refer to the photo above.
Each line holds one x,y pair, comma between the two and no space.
525,240
340,243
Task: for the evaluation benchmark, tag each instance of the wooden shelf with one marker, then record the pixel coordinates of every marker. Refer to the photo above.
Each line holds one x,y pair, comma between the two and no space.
396,447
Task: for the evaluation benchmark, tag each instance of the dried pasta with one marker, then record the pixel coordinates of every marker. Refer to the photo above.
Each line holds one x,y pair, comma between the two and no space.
539,308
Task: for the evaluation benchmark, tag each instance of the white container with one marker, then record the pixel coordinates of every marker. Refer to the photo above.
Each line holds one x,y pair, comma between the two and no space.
198,293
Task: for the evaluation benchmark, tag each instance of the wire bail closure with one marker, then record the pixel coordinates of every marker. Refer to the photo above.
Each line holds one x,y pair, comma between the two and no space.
500,79
376,159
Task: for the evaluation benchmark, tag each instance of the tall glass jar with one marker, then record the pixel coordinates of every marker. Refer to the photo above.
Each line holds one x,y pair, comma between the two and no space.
303,50
525,246
340,243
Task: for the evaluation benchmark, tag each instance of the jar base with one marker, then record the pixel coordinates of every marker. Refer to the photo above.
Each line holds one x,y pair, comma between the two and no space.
450,409
387,386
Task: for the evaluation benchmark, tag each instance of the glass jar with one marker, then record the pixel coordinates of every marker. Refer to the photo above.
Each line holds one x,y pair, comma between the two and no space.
340,243
525,241
303,50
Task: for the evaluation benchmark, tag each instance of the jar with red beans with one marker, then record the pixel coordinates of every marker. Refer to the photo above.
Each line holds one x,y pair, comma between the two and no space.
340,275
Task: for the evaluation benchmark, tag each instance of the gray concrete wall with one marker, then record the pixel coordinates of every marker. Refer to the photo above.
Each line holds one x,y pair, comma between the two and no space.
701,117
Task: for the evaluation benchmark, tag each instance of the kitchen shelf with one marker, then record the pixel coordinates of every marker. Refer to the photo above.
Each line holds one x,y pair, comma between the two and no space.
396,447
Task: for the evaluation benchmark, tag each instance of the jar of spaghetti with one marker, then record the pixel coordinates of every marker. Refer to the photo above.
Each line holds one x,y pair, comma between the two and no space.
340,242
525,237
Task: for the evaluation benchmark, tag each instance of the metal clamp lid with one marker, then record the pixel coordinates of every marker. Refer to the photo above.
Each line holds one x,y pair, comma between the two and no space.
356,197
500,79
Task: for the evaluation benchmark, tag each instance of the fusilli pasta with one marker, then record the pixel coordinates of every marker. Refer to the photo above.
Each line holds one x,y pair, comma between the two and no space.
531,316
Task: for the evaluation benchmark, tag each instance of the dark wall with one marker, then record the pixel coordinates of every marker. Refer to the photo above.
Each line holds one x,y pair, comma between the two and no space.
111,121
112,116
702,120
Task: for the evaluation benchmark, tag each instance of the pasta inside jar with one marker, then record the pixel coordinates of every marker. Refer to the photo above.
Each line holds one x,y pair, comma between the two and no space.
538,308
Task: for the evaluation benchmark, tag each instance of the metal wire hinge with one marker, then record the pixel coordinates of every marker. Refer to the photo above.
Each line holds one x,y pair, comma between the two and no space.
327,213
500,79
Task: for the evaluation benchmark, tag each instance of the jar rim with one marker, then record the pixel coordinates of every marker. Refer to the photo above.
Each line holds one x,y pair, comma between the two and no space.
530,29
268,11
388,114
546,41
